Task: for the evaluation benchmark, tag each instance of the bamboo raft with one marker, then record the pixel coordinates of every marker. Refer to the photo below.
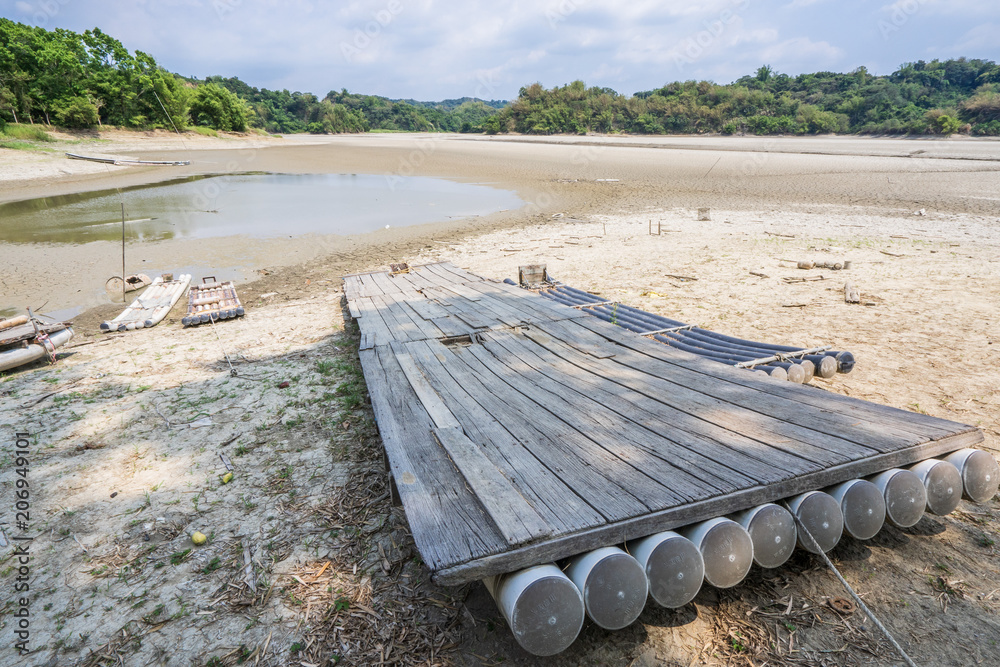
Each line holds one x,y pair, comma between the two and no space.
26,339
579,469
782,362
212,301
151,306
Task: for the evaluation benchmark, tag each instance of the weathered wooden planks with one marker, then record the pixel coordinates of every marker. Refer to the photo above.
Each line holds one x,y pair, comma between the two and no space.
520,430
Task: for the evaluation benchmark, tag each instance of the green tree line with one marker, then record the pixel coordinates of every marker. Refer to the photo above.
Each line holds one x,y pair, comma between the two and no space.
84,80
939,97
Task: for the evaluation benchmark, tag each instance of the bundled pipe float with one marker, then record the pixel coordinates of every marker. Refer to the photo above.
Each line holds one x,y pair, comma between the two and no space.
545,607
212,301
152,306
28,340
781,362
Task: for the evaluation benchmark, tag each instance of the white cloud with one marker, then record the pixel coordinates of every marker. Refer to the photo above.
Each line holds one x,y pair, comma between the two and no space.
803,50
958,8
802,3
975,41
760,36
433,49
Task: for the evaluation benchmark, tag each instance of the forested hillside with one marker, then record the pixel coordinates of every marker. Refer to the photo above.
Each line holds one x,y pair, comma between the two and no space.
82,80
939,97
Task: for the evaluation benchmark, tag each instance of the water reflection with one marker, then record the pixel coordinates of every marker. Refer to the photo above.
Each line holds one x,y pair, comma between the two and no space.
249,204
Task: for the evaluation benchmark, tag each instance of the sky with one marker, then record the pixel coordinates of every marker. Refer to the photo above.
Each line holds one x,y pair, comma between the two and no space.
437,49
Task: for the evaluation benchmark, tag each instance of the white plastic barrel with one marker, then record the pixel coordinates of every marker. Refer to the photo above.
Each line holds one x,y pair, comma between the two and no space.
543,608
980,473
863,507
943,484
772,530
905,496
726,548
673,565
821,515
613,585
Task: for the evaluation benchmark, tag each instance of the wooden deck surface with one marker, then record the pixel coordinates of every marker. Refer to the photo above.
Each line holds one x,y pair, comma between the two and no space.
520,430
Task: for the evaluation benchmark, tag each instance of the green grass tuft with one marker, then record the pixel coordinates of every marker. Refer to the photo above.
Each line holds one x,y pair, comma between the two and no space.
26,132
204,131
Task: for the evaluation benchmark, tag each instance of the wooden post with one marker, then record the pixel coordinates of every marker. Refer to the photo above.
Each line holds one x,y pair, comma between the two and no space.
123,254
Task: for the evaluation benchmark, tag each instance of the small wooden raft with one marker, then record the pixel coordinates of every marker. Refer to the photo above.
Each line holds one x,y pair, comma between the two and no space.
25,339
520,431
22,328
212,301
151,307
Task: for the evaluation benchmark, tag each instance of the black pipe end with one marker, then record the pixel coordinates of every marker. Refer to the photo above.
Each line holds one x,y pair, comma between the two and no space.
845,362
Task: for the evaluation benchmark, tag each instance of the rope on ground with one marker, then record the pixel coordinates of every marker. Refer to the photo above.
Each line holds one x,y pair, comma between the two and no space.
868,612
232,369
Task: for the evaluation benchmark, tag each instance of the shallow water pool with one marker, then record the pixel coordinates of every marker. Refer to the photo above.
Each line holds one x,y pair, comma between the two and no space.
258,205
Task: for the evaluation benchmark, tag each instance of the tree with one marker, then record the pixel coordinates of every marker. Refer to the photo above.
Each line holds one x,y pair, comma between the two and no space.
77,112
216,107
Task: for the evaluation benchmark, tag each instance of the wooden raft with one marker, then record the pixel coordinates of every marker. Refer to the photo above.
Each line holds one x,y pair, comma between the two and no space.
520,431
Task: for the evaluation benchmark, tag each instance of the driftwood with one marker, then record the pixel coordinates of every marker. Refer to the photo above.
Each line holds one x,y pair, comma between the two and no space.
851,293
833,266
759,274
807,279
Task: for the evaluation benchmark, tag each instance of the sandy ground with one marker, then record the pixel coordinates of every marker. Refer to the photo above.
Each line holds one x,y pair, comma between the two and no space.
307,563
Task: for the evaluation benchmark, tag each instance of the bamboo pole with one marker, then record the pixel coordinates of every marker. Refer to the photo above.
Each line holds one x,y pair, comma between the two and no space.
123,254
